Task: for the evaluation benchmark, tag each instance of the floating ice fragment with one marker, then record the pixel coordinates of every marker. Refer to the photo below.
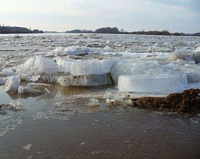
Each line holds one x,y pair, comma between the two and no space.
93,103
47,91
42,115
38,85
2,81
16,104
27,90
27,147
179,54
107,48
35,78
12,84
71,50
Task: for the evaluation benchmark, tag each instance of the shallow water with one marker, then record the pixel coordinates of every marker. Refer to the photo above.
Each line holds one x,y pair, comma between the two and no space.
61,125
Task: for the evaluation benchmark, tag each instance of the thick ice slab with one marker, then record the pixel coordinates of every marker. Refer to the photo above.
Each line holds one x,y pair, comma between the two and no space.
84,80
162,83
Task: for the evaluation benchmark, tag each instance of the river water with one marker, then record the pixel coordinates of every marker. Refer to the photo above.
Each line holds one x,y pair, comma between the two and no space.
62,125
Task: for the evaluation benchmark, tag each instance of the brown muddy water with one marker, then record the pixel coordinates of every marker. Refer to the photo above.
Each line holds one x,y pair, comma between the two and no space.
61,125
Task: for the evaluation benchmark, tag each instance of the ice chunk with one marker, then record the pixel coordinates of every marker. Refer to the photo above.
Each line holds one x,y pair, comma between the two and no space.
106,65
24,77
27,90
38,85
27,147
35,78
93,103
16,104
12,84
163,83
84,80
107,48
72,50
120,68
179,54
64,64
86,67
193,77
197,55
170,82
7,72
140,83
75,50
38,65
2,81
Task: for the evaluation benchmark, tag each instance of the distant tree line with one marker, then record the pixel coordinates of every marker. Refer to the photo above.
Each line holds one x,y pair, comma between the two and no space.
17,30
80,31
109,30
115,30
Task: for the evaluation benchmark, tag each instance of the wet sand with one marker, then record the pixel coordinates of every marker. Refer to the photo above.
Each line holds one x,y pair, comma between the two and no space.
42,131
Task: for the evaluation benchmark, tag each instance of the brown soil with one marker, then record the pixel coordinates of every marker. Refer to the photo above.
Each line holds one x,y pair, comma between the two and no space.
186,102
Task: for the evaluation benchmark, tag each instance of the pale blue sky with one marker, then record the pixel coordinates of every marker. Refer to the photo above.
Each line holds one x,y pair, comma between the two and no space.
131,15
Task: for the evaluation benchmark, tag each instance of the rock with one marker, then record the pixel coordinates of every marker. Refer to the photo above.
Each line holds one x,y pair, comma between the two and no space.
186,102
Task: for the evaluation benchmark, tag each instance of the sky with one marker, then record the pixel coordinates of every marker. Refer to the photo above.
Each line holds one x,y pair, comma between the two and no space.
130,15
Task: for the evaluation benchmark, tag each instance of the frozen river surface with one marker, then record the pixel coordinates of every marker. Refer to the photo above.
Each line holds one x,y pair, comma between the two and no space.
73,119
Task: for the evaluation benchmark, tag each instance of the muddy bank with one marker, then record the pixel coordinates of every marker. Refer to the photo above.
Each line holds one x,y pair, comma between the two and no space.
185,102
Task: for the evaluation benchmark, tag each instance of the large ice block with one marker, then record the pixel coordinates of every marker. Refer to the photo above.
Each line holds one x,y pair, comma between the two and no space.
86,67
106,65
38,65
140,83
170,82
120,68
163,83
84,80
64,64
